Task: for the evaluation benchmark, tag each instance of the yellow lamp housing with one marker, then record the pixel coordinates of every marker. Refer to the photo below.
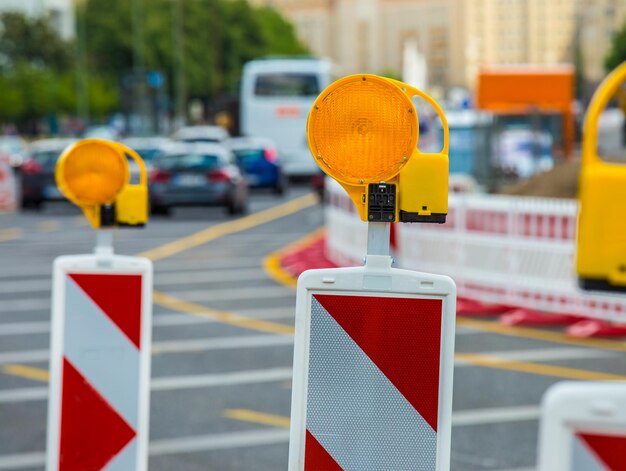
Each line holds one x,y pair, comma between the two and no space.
363,132
94,174
601,238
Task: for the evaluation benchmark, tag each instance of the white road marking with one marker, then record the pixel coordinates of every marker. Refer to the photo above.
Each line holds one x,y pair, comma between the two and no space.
257,341
23,394
495,415
19,305
221,441
171,383
169,346
23,460
223,343
209,276
24,328
234,294
25,286
168,279
222,379
208,294
172,319
24,356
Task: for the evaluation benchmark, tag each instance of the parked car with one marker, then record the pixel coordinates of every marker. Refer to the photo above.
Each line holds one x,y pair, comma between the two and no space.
108,133
148,148
14,148
37,172
201,134
258,159
197,175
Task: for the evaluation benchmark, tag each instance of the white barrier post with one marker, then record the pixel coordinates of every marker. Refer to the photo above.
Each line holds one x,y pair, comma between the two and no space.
373,364
583,427
99,394
100,362
374,345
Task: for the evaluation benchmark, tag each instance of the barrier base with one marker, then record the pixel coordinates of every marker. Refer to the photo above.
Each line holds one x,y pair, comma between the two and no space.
595,328
537,318
469,307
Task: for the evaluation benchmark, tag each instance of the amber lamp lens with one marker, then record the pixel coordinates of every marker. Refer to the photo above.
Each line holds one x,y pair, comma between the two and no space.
361,129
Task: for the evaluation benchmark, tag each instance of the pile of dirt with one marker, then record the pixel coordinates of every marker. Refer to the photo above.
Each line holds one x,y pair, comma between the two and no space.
559,182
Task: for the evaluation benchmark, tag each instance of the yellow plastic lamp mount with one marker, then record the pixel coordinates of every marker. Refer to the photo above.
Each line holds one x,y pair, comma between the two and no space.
601,237
94,173
362,129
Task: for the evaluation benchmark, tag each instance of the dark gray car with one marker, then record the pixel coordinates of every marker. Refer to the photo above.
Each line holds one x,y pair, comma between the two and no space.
197,175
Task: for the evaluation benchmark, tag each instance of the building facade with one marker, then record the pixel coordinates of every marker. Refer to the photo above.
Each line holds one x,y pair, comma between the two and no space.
455,37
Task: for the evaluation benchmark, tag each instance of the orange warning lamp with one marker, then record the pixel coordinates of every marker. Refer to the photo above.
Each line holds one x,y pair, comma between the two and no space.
363,132
362,129
91,173
94,174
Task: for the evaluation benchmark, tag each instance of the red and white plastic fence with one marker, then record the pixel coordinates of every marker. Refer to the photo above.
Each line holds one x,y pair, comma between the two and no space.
515,251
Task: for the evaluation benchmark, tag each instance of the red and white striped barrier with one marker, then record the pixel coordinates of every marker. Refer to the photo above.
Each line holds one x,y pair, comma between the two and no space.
583,427
373,365
512,251
100,363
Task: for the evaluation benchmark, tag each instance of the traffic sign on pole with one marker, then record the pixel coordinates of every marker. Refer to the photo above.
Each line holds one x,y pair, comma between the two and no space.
374,345
583,427
101,326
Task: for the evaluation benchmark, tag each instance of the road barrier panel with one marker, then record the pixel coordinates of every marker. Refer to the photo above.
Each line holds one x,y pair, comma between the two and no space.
100,363
373,364
583,427
504,250
99,392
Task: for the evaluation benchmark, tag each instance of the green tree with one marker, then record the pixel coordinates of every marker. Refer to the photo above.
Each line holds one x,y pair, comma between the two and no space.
25,40
219,36
32,59
617,53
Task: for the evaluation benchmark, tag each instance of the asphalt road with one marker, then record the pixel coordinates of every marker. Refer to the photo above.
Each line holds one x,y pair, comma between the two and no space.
221,389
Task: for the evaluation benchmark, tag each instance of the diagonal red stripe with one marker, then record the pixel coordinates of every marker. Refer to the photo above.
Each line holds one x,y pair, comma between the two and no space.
402,337
316,458
609,449
92,432
119,297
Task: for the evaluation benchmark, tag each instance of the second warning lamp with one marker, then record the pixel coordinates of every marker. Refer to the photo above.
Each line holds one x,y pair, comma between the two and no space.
94,174
363,131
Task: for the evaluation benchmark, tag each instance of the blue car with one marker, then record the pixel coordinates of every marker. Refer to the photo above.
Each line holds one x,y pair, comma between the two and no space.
258,159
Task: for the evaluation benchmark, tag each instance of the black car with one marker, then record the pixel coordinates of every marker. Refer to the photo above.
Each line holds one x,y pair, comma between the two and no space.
37,172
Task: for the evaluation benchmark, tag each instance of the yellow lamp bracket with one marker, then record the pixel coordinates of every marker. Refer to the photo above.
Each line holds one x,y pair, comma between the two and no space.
601,232
363,132
94,174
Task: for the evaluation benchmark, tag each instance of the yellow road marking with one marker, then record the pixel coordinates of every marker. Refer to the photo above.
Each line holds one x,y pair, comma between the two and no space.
231,227
543,335
10,234
247,415
48,226
485,361
27,372
536,368
271,263
221,316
